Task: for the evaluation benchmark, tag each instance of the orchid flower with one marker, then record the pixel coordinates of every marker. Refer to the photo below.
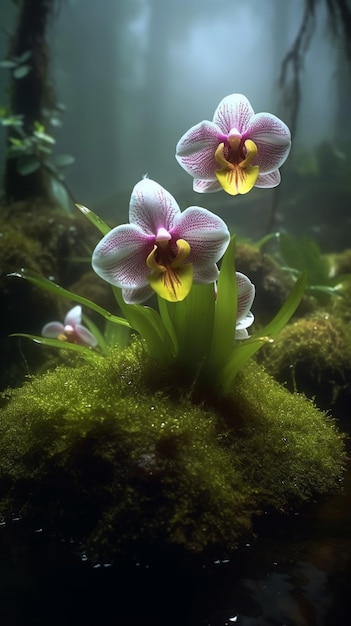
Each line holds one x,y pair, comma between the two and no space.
244,317
71,330
161,250
237,151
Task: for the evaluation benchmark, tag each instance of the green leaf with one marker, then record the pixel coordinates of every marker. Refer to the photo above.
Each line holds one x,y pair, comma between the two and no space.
44,137
192,322
288,309
88,353
304,255
63,160
147,322
167,321
8,64
21,71
23,57
94,219
330,291
246,348
28,164
48,285
116,335
96,332
262,242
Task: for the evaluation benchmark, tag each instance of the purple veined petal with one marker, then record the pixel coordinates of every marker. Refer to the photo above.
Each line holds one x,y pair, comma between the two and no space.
273,140
52,330
247,321
137,295
73,316
196,149
151,207
246,294
120,257
205,275
206,186
234,111
85,336
268,180
241,333
206,233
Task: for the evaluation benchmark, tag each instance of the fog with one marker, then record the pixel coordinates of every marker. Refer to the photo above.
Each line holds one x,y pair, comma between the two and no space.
134,75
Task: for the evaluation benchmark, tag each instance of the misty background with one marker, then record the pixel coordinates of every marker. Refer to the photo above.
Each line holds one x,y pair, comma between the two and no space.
134,75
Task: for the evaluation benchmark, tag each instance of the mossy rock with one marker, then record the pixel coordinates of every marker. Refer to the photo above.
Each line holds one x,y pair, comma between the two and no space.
313,356
272,284
99,454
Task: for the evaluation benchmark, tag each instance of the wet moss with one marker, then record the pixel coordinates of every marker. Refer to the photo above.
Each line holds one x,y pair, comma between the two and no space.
313,355
45,240
98,454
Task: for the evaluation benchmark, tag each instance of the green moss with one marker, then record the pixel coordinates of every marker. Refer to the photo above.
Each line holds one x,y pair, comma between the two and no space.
313,355
97,453
43,239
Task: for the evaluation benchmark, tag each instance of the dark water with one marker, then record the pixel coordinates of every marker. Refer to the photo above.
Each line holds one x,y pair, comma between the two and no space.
297,572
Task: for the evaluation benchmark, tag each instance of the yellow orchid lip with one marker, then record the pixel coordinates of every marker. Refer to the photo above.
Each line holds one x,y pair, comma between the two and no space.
171,278
236,174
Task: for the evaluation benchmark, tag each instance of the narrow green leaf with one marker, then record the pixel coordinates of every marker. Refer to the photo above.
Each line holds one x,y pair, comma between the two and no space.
94,219
8,64
88,353
192,321
167,321
241,353
147,322
288,309
96,332
116,335
262,242
245,349
48,285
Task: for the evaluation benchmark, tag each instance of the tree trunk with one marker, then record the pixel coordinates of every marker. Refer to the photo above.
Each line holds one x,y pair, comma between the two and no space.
30,96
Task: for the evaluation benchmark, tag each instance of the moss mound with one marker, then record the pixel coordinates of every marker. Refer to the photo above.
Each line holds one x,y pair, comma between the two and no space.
313,355
95,453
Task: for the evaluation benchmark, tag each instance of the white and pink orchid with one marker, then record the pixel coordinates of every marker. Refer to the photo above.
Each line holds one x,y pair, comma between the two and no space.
161,250
244,317
71,330
237,151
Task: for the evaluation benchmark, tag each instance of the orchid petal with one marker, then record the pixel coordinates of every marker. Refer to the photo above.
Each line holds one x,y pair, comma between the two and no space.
247,321
246,294
151,207
137,295
119,258
241,333
174,281
234,127
237,180
234,111
195,150
53,330
268,180
205,275
205,232
85,336
206,186
272,138
74,316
